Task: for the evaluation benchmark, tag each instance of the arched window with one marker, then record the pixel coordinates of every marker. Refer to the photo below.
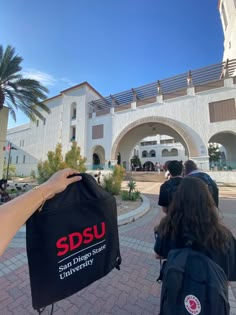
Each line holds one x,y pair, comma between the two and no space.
144,154
165,152
152,153
73,110
174,152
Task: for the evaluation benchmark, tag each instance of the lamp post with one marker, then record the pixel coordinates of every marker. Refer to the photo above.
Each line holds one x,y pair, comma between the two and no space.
10,147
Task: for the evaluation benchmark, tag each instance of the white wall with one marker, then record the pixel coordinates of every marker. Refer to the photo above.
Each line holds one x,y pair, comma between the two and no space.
230,30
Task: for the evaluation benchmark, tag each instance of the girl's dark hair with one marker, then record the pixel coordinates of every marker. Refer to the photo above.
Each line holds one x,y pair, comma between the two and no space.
192,212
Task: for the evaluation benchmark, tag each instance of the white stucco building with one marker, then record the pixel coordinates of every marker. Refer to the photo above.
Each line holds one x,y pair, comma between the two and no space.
157,150
194,108
227,9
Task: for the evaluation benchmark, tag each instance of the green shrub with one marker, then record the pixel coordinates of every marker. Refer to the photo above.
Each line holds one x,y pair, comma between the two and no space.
133,196
124,195
112,183
33,174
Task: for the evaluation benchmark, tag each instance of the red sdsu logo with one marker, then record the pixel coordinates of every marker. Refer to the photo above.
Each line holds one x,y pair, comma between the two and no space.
76,239
192,304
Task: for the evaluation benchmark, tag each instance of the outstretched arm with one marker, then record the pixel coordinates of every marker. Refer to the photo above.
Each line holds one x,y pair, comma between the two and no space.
15,213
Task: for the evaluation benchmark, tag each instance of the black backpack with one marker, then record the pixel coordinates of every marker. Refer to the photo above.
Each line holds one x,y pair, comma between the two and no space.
192,283
72,242
210,184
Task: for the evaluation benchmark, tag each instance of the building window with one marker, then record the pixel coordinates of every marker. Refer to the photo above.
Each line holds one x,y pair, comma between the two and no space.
144,154
174,152
224,15
73,110
37,122
152,153
44,121
73,134
165,152
17,159
73,113
24,159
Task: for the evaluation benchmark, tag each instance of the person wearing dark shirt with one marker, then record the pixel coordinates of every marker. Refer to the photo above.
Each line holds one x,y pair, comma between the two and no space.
192,216
168,188
191,169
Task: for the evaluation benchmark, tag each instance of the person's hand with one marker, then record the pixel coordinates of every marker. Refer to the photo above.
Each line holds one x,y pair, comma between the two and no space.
59,181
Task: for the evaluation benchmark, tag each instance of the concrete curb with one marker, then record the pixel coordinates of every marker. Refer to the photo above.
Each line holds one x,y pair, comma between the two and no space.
135,214
127,217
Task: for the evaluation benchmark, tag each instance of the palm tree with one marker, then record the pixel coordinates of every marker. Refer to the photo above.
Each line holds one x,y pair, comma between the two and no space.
17,92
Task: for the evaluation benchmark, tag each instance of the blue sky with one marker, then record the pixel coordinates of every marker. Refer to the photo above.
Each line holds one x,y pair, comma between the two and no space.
114,45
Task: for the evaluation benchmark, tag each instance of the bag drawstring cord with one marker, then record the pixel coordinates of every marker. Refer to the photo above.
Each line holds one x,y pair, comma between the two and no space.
40,311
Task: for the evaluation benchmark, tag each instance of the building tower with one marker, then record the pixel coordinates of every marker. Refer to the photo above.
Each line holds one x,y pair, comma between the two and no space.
227,9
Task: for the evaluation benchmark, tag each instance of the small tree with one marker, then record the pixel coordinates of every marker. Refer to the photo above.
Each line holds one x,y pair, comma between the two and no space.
11,170
132,186
112,182
136,161
214,153
55,162
74,160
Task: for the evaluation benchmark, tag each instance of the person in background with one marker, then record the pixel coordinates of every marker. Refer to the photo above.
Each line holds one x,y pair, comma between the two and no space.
192,216
191,169
15,212
98,176
169,187
167,173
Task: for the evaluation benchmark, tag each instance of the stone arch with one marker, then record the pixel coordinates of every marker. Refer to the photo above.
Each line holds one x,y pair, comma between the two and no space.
192,142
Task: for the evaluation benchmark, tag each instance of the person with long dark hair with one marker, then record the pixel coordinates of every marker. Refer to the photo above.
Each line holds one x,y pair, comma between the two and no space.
193,216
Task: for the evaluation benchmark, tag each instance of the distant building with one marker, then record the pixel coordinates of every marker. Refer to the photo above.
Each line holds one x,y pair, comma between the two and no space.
227,9
159,149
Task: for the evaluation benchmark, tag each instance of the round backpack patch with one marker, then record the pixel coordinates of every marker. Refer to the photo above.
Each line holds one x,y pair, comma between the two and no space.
192,304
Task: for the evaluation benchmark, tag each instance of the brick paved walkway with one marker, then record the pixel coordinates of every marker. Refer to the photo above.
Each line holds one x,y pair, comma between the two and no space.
132,290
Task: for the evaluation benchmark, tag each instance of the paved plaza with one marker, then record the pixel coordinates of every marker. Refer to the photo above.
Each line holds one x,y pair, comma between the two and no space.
132,290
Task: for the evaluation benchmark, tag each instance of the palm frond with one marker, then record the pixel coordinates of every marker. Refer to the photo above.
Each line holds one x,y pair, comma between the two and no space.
10,64
19,93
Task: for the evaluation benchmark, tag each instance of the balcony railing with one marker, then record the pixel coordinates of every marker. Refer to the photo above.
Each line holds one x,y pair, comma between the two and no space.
165,87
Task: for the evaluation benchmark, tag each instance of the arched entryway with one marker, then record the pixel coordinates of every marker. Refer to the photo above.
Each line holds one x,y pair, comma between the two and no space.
96,160
98,157
225,142
148,166
149,126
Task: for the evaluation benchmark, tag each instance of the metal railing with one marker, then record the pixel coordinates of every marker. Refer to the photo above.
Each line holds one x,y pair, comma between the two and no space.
179,82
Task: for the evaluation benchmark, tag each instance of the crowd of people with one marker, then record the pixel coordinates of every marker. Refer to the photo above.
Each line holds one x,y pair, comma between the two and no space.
189,198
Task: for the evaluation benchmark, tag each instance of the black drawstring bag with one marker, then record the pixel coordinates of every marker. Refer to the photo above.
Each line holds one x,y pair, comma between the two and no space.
72,242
